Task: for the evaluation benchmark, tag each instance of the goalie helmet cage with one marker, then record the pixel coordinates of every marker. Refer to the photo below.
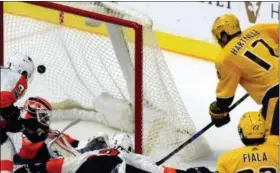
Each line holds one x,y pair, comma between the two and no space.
118,71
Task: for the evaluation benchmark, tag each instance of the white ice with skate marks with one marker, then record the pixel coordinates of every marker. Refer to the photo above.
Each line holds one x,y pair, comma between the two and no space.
196,81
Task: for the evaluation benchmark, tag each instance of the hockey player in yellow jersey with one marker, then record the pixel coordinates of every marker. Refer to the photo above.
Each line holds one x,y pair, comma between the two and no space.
248,58
259,155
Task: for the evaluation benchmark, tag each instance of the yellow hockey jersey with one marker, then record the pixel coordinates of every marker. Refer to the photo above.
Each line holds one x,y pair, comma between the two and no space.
251,159
251,60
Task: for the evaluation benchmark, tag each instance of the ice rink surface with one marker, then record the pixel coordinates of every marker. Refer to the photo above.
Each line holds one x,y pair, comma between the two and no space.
196,81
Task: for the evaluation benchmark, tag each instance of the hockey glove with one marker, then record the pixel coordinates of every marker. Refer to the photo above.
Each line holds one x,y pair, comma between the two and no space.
218,115
198,170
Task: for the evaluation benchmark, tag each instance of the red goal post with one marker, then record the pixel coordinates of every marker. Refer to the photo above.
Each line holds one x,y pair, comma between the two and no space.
95,67
2,34
138,55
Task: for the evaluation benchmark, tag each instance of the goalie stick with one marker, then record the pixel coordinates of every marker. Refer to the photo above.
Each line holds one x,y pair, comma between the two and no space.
199,133
63,130
27,162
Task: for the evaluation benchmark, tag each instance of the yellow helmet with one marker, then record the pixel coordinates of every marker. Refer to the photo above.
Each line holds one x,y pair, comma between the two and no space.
227,23
251,126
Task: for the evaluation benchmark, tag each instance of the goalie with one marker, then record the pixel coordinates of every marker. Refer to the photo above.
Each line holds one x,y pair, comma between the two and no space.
100,155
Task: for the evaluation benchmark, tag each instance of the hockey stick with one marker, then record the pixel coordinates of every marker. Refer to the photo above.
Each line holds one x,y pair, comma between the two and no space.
63,130
199,133
27,162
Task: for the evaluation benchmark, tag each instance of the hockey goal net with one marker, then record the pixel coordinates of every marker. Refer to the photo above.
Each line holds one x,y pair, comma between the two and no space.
102,64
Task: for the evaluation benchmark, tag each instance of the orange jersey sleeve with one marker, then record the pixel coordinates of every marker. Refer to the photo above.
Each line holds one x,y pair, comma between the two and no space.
7,99
72,141
55,165
28,149
69,138
11,95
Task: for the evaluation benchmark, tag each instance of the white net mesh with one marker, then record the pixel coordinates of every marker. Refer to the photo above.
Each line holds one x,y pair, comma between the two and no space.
82,66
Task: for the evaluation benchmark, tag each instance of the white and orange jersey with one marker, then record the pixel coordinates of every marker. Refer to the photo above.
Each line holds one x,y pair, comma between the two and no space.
72,164
13,87
28,150
23,147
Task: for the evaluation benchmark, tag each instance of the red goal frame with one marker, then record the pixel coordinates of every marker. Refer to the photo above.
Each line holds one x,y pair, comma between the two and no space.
138,53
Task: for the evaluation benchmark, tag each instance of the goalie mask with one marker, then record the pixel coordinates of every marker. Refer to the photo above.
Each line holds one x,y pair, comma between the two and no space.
39,108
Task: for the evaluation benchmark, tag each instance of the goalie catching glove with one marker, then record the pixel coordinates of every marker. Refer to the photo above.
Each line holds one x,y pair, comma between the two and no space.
219,115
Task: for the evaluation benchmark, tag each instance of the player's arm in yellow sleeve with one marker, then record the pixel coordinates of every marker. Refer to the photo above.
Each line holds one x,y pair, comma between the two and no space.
228,82
229,77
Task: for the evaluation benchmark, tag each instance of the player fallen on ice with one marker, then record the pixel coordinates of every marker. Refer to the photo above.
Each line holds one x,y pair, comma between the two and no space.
248,58
260,153
15,76
100,155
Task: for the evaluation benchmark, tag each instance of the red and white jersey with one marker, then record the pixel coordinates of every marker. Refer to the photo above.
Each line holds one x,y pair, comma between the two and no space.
13,87
72,164
28,150
24,148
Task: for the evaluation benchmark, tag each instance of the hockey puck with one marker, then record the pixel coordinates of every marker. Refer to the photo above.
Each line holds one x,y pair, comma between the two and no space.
41,69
